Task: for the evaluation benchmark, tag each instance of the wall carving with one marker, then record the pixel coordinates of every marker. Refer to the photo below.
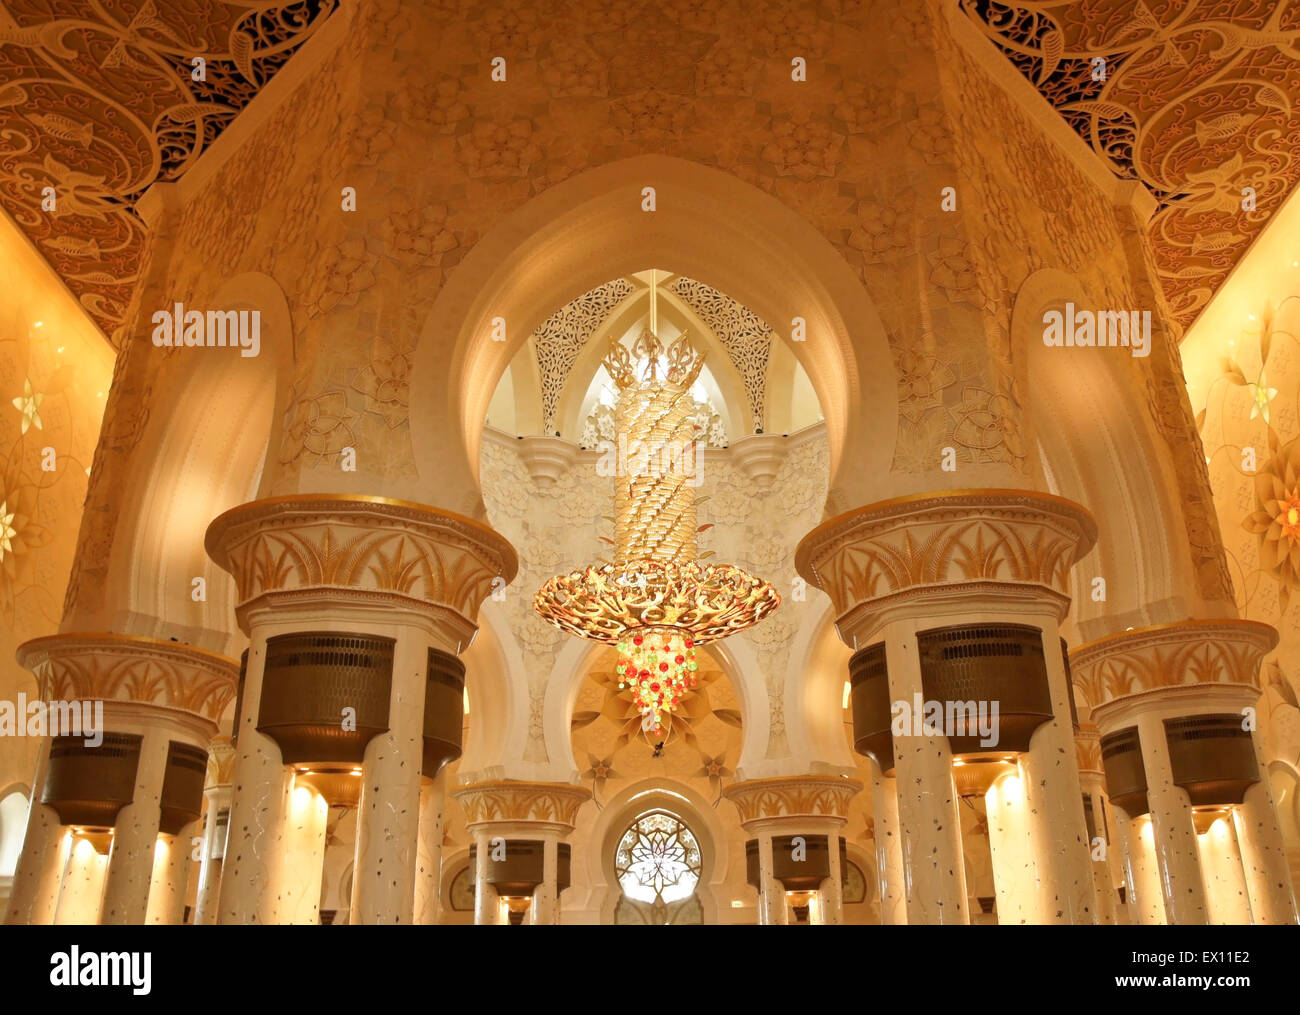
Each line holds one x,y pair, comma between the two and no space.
99,103
562,336
746,337
1197,102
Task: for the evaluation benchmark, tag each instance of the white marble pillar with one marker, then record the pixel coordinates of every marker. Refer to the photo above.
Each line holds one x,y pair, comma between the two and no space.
487,905
1263,851
1173,832
428,874
832,890
1014,875
1057,828
214,849
1225,881
388,816
81,893
1104,889
39,871
889,848
1148,898
929,824
545,905
254,858
304,860
771,897
131,858
170,876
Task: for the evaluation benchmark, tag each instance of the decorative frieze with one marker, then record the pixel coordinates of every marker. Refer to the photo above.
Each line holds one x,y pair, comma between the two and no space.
795,796
549,803
118,667
1224,651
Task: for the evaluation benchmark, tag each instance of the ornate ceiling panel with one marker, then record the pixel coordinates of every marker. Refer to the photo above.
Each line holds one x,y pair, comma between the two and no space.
1198,101
99,101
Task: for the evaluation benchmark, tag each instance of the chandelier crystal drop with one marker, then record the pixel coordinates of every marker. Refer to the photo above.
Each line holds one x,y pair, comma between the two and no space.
657,602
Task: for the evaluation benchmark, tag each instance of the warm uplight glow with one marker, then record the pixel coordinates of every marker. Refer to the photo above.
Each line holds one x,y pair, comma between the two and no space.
655,601
848,690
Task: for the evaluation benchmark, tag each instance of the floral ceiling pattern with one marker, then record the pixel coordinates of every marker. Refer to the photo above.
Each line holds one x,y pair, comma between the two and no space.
99,101
1196,100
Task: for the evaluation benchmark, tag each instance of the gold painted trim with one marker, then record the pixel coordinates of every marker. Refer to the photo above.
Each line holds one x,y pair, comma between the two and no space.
947,499
34,645
1268,631
255,509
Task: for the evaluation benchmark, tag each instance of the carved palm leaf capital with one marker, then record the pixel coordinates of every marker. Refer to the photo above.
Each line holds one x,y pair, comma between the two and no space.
118,667
795,796
373,544
1224,651
946,538
550,803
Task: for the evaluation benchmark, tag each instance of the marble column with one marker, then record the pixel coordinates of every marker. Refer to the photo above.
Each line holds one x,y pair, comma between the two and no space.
1054,799
170,876
254,858
487,904
304,865
388,816
1225,881
1174,834
428,875
543,812
1146,897
831,899
39,871
135,835
904,566
785,807
81,893
934,865
1142,679
1014,875
418,577
216,824
179,707
1263,852
546,907
889,847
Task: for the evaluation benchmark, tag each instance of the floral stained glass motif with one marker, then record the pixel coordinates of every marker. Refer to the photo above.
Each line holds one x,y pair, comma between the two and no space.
658,860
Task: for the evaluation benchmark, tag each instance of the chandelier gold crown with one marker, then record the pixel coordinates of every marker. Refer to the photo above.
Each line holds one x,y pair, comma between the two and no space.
657,600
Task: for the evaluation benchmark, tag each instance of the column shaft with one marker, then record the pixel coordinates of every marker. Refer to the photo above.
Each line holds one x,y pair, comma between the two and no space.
40,864
428,879
889,848
927,801
383,890
135,835
1173,833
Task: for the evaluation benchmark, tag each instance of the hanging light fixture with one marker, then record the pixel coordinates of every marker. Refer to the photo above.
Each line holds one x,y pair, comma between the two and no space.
657,602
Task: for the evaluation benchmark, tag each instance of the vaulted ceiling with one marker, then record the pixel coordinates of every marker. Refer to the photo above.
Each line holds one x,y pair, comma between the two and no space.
99,100
1197,100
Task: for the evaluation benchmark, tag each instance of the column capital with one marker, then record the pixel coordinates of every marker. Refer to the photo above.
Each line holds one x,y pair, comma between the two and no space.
221,763
1010,542
350,548
1186,655
1087,747
547,805
130,669
819,797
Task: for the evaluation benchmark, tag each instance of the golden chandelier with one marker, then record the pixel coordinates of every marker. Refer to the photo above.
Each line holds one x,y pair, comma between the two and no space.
657,601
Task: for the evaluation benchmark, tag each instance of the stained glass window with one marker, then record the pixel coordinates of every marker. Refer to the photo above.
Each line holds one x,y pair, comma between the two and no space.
658,859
